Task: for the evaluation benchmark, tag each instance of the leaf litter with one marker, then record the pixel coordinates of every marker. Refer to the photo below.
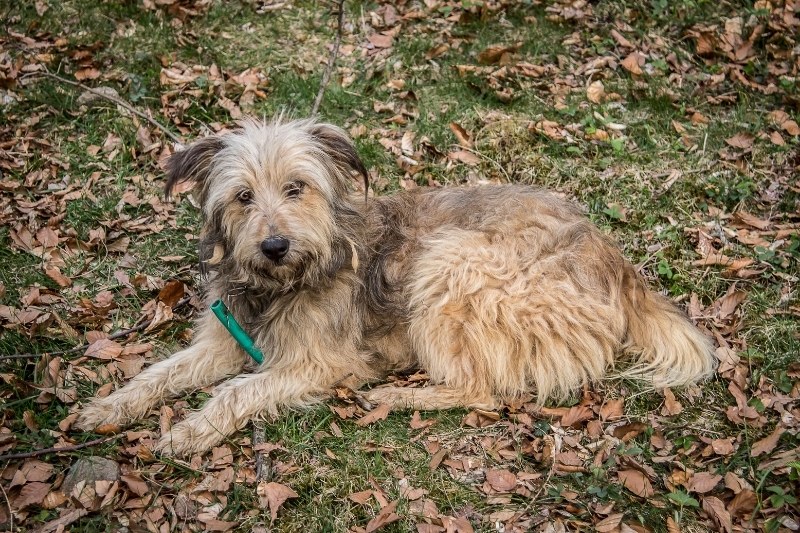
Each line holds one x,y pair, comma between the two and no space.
700,457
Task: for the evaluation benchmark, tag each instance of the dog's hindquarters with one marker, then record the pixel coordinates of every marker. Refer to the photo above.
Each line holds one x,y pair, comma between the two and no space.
670,350
497,314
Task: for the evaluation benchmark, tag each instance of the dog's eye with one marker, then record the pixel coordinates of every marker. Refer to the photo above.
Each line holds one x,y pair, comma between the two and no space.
294,189
245,196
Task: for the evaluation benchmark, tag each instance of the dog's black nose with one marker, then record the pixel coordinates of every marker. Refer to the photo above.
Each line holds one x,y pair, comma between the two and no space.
275,247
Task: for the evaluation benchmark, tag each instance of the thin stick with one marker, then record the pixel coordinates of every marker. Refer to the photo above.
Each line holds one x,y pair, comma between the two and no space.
263,462
124,333
45,451
10,512
115,99
326,76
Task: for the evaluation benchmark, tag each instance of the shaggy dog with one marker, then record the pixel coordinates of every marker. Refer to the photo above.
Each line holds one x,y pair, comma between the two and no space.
495,291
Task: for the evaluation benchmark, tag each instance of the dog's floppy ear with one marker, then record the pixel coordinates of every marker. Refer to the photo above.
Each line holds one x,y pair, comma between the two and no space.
192,164
340,148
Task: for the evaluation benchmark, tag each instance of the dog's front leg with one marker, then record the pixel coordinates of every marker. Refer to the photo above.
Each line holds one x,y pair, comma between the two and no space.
243,398
213,356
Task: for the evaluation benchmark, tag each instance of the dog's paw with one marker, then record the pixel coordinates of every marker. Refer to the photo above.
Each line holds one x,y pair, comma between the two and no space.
97,413
188,437
384,394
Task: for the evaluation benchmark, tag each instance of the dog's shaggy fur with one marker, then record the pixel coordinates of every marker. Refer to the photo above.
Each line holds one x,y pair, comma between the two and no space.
495,291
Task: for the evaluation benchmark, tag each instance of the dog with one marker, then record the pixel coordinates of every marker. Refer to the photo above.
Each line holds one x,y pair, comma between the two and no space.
496,291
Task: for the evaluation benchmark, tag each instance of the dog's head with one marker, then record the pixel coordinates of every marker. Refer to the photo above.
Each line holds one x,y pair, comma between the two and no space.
273,196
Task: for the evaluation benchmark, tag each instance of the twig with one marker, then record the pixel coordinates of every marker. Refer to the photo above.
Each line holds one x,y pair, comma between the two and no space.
124,333
263,462
10,512
326,75
115,99
45,451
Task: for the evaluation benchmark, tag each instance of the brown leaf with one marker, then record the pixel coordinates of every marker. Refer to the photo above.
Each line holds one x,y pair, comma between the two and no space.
715,508
672,526
379,40
379,413
501,480
437,459
90,73
464,156
767,444
791,127
752,220
576,415
31,494
633,63
742,140
418,423
107,429
703,482
437,51
777,139
743,503
636,482
596,92
494,53
723,446
628,431
274,495
729,303
231,107
361,497
481,419
172,292
136,484
612,409
621,40
104,349
384,517
35,470
463,137
671,405
610,523
54,273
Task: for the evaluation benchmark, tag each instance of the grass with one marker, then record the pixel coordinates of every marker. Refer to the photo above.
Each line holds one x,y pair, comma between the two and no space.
619,181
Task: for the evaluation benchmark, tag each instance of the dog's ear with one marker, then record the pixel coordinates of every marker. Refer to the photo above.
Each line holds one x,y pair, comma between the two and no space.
192,164
342,151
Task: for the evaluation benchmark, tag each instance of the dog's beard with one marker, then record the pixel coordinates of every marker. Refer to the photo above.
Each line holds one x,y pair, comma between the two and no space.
285,275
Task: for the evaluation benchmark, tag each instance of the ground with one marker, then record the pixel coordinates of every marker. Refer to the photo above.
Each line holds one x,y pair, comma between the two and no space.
673,123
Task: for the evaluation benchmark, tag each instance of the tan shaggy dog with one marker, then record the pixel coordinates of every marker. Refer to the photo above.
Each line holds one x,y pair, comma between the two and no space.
495,291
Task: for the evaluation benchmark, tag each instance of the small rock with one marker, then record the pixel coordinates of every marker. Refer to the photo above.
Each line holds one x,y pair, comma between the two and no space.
90,469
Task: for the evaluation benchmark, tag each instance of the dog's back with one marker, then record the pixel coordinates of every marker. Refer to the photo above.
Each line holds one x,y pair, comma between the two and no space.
508,287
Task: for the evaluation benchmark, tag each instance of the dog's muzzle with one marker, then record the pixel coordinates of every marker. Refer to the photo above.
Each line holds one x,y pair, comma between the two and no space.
275,248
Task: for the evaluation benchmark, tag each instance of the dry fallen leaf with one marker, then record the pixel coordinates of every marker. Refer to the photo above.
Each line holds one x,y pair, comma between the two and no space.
671,405
384,517
378,413
463,137
273,495
636,482
612,409
596,92
464,156
767,444
418,423
501,480
703,482
633,63
361,497
608,524
743,141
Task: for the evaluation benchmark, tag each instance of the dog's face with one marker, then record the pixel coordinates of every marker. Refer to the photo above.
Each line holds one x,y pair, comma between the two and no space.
271,194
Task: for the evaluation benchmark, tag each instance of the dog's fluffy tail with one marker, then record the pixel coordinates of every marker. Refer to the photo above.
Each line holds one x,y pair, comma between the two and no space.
671,350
